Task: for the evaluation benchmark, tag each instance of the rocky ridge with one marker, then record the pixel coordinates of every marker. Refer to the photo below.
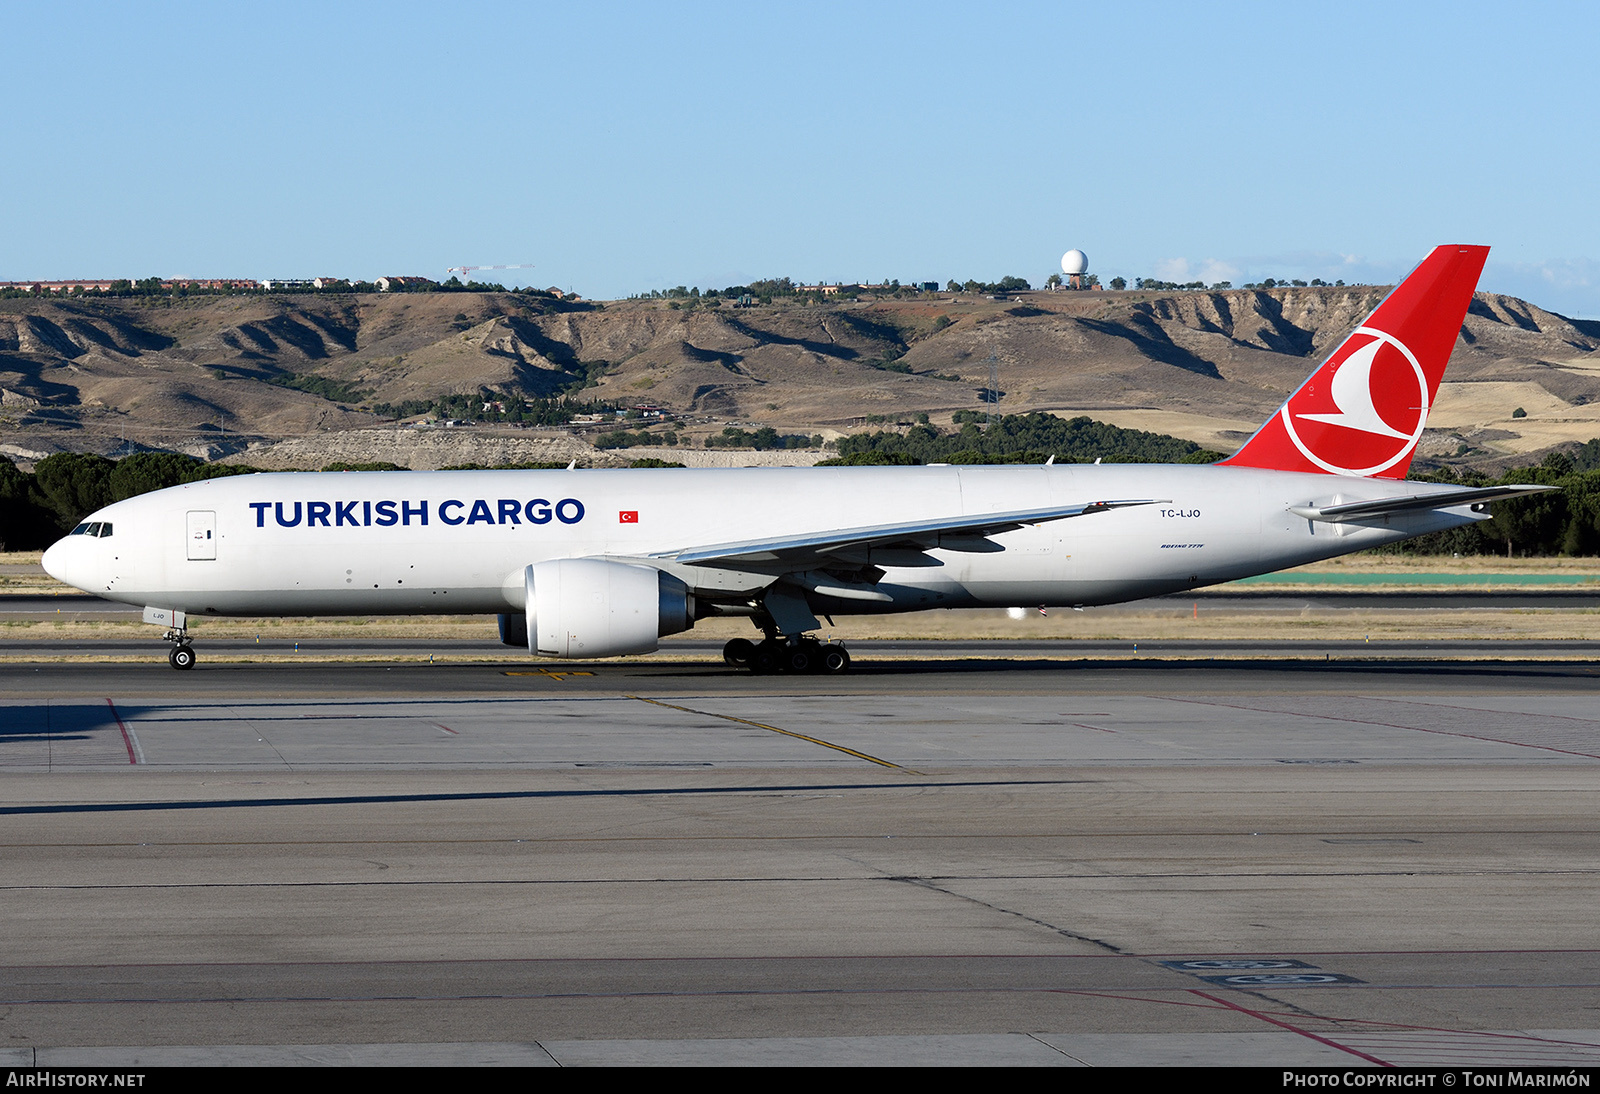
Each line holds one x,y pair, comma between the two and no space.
199,373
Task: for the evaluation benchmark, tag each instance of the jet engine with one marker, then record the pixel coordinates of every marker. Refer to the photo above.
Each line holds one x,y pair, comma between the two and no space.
589,607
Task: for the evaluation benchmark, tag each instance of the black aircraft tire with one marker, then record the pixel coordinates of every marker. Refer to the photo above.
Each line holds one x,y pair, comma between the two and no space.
834,659
181,657
765,658
740,652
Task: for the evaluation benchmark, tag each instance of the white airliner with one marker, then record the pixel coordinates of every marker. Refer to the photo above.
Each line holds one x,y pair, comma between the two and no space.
584,564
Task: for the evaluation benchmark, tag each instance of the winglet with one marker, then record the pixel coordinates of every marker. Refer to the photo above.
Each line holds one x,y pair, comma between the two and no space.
1363,411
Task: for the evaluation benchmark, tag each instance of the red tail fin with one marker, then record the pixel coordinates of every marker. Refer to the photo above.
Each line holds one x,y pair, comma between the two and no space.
1363,412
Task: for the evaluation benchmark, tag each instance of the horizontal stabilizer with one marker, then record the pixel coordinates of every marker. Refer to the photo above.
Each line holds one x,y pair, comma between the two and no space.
1355,510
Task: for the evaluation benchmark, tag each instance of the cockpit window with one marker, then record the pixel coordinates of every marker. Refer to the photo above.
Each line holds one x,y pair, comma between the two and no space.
80,530
100,529
105,530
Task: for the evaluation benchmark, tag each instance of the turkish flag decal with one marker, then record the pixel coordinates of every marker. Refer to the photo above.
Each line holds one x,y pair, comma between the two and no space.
628,516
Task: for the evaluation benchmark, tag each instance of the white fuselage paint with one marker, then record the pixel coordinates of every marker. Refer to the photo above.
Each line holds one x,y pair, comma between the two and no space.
219,548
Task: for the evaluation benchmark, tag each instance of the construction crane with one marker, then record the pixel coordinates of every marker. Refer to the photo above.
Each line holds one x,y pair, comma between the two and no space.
464,270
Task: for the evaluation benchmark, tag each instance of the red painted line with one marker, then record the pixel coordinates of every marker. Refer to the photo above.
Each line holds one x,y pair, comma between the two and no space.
1474,1033
127,738
1291,1028
447,729
1386,1027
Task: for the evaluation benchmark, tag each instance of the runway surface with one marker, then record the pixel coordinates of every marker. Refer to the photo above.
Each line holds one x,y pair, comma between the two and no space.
998,857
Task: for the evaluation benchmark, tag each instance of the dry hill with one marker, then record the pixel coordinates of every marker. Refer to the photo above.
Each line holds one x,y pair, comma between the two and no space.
197,373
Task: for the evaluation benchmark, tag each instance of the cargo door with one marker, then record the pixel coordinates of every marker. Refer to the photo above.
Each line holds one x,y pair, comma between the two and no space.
202,537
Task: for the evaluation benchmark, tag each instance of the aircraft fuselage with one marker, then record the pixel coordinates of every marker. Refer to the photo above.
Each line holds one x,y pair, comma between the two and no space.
458,542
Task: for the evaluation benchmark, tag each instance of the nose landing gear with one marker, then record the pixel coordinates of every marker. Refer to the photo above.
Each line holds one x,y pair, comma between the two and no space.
177,623
182,655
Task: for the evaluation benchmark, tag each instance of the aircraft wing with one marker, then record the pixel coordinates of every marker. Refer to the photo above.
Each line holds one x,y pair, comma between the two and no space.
814,547
1448,499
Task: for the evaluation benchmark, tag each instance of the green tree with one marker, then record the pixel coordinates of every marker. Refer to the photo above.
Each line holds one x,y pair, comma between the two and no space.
147,471
73,485
24,523
1026,438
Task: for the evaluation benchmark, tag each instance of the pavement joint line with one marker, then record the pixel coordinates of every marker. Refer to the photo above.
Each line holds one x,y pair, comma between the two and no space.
926,883
500,795
784,732
1392,725
1058,1048
1437,705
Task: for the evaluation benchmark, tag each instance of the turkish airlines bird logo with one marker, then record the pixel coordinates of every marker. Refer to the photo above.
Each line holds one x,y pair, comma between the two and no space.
1364,410
1352,394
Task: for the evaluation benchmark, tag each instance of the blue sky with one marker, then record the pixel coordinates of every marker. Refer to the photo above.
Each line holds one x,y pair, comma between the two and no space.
623,147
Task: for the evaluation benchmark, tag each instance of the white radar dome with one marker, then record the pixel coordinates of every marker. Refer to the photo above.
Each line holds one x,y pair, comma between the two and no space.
1074,262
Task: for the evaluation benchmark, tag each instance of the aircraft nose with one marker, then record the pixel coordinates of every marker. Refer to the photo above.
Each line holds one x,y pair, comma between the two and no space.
64,560
54,561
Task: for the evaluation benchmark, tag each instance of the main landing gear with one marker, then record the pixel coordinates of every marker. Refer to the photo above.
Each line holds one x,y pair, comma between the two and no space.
182,655
797,655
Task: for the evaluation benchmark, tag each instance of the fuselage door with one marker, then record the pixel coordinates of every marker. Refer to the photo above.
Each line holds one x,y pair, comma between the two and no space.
202,538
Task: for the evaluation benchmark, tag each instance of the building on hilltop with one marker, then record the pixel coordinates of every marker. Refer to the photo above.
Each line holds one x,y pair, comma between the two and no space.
400,284
59,286
114,284
211,283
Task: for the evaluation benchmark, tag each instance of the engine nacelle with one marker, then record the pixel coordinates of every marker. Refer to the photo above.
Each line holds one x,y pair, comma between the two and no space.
589,607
